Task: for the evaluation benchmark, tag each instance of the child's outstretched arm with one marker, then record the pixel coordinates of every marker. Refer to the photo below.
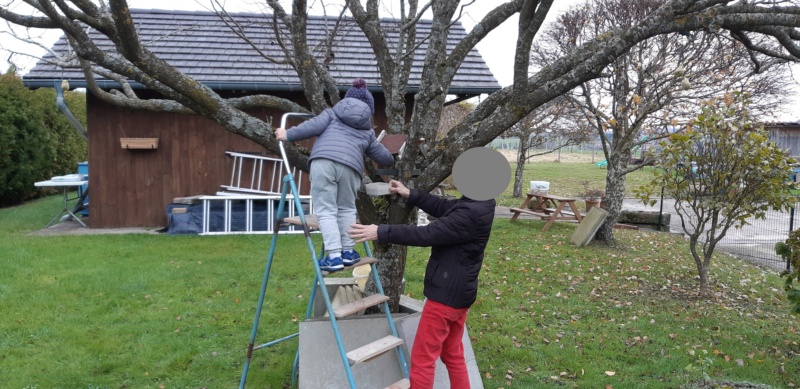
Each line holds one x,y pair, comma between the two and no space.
308,129
379,153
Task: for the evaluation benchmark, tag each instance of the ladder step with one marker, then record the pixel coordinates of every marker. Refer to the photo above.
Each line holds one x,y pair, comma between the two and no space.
372,350
359,305
363,262
402,384
311,220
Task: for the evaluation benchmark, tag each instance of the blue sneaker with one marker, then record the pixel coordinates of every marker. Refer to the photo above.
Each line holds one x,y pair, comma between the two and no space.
331,264
350,258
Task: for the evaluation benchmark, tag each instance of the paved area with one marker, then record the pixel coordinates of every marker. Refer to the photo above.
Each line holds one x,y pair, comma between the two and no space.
754,242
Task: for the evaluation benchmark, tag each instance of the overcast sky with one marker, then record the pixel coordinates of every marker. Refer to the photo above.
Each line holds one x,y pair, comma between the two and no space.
497,49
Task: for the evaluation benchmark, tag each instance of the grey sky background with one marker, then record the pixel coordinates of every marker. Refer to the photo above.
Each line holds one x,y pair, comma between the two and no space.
497,49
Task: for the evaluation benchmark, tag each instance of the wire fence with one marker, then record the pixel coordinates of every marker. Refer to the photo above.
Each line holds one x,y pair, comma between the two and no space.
756,241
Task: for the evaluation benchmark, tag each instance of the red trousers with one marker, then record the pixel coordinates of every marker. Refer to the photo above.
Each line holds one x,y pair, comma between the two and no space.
439,335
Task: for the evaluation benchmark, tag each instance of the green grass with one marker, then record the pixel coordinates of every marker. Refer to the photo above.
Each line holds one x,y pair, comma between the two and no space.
566,179
152,311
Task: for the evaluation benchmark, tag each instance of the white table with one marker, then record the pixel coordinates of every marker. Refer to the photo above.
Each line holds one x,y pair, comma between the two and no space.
64,185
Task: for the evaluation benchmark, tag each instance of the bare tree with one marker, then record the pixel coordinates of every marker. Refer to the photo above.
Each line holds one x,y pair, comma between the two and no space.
764,27
650,91
452,115
552,121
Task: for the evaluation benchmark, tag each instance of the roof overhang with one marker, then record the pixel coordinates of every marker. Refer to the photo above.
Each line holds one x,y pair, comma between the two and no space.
243,86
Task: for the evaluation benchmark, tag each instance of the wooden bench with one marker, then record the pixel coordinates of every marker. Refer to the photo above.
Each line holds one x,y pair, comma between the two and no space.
517,211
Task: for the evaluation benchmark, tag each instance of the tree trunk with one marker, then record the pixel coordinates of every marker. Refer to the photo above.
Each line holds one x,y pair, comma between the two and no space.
518,173
391,263
703,272
391,267
702,266
615,194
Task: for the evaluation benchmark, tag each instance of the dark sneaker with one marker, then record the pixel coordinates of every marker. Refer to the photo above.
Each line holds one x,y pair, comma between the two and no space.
331,264
350,258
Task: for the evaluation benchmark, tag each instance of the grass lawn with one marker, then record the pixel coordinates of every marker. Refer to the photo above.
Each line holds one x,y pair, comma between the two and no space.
157,311
566,179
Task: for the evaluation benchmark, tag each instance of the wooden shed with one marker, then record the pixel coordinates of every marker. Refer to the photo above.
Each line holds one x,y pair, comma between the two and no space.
786,136
183,155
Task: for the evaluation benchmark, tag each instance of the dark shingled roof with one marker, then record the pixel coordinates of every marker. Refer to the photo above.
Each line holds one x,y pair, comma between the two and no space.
203,47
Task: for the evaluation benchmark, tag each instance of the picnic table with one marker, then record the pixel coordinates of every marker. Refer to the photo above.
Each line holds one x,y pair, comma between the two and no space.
550,208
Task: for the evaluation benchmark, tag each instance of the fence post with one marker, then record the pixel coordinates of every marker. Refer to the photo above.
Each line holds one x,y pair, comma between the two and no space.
791,228
661,209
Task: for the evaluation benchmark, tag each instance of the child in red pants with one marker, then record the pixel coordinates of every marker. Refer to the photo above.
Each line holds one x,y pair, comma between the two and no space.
457,238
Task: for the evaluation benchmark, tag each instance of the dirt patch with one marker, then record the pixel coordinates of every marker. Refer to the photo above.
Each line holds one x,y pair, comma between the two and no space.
511,156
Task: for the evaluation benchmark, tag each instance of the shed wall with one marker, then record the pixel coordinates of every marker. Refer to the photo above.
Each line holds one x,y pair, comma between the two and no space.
131,188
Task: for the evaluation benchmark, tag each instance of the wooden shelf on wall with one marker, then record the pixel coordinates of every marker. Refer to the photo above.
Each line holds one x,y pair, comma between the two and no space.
139,143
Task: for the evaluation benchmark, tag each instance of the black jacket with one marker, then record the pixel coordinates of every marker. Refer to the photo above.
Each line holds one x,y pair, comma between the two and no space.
457,238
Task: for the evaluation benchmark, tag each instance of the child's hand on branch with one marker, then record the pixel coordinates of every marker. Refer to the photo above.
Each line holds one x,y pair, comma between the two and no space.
280,134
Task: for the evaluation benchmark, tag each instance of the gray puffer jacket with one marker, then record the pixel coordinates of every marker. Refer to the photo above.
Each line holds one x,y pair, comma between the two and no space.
344,134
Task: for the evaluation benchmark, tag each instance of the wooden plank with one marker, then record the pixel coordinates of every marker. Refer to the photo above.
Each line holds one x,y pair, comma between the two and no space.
529,212
311,220
588,227
402,384
359,305
374,349
556,198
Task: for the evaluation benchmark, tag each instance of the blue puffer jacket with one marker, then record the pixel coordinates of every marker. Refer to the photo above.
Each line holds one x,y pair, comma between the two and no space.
344,134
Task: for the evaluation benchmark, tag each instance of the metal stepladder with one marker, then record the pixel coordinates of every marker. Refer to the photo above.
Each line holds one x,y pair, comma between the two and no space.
353,357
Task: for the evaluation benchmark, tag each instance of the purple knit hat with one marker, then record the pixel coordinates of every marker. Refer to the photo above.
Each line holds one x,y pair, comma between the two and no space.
359,91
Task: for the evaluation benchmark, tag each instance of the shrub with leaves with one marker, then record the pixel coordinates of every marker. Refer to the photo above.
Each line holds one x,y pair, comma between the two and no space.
721,171
790,250
36,139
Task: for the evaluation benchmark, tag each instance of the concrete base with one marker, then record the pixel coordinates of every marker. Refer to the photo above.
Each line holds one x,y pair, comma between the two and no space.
648,219
321,365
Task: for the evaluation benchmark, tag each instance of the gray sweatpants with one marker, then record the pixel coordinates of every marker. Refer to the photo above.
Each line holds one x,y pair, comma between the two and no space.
333,188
